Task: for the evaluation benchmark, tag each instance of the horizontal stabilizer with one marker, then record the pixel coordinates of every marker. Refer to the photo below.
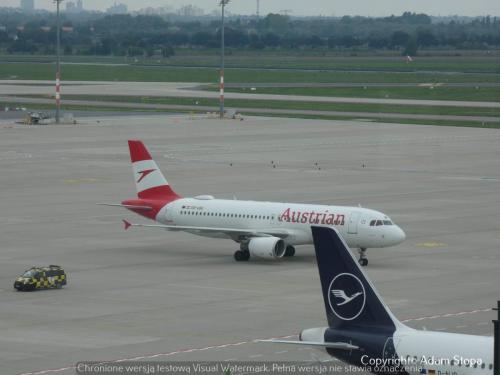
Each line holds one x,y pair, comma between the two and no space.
145,208
330,345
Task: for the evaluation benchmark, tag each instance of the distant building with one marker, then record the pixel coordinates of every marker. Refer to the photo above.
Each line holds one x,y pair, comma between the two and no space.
117,9
72,7
28,5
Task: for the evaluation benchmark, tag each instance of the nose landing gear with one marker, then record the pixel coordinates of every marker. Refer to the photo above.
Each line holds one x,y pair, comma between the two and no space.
363,260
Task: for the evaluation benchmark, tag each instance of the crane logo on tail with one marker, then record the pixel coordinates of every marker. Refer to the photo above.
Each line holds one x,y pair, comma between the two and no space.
346,296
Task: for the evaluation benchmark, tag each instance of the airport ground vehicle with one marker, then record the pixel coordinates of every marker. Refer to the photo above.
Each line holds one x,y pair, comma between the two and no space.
41,278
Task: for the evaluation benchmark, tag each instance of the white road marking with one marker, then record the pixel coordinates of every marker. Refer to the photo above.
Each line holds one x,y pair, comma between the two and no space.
450,315
256,356
192,350
281,352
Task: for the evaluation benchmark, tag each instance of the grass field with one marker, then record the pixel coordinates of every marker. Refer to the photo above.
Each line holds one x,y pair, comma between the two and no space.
474,69
438,61
107,72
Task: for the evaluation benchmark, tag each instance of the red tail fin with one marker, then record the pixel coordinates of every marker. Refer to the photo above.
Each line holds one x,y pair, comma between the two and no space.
149,181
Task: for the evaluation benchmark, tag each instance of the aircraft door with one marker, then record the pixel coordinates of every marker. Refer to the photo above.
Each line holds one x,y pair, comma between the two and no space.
168,211
352,227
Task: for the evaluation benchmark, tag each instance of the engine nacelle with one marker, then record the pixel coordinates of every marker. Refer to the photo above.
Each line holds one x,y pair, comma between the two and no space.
267,247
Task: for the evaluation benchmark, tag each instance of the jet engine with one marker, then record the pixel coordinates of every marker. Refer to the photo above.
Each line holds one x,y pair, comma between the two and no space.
267,247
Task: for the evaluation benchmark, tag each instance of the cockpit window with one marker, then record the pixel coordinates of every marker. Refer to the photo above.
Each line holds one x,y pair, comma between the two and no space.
378,223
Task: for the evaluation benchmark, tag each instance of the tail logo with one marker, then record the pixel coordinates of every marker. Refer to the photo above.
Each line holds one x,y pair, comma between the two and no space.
144,173
346,296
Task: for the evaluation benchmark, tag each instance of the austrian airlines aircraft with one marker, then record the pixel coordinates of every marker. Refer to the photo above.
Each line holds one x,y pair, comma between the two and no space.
363,332
263,229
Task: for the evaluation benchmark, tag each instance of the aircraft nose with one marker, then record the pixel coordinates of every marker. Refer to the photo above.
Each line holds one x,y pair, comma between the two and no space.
399,235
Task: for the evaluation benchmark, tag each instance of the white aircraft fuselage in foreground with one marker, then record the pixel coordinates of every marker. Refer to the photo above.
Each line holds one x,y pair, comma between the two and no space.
263,229
363,332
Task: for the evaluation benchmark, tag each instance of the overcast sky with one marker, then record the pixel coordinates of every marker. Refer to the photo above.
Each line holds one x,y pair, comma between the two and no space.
310,7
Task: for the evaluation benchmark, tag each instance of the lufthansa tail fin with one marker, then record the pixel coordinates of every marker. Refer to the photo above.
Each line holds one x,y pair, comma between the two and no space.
149,181
349,296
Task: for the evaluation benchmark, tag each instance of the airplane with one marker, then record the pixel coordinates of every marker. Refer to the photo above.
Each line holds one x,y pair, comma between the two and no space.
263,229
364,333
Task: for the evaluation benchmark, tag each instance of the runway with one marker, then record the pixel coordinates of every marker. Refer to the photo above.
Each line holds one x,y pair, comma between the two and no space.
146,294
192,90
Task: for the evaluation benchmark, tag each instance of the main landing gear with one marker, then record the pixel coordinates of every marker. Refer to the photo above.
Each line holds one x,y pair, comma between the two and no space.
242,255
363,260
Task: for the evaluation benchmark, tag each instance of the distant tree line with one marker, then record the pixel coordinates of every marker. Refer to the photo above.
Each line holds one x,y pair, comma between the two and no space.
127,35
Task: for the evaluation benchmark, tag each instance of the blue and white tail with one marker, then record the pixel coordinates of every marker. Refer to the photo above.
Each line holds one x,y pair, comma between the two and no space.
350,298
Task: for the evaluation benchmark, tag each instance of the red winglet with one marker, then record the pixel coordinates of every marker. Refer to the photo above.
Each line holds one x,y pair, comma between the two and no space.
126,224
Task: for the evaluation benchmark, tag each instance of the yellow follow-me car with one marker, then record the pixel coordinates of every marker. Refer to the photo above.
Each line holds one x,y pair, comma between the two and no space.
41,278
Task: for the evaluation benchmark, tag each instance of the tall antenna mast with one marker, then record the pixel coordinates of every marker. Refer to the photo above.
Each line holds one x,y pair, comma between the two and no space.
258,9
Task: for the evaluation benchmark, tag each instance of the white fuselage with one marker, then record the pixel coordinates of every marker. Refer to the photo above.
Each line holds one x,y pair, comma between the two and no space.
360,227
445,353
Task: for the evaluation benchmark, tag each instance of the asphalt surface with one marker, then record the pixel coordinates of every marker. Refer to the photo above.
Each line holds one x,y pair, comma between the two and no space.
269,111
16,87
150,294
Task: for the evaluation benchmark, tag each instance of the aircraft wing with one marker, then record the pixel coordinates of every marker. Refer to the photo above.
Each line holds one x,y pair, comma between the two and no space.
233,233
330,345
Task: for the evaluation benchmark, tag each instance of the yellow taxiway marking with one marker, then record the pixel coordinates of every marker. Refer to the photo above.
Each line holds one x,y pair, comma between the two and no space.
431,244
73,181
